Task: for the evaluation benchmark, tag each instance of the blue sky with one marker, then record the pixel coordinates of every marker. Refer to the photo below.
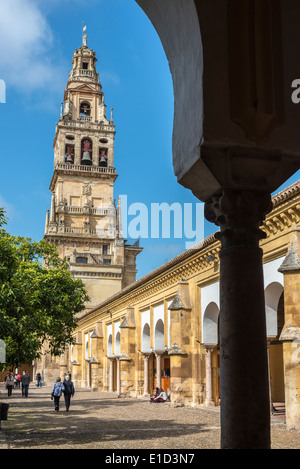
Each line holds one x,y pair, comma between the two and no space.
38,39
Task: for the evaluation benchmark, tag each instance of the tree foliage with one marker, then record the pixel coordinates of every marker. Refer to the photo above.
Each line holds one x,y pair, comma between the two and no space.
39,298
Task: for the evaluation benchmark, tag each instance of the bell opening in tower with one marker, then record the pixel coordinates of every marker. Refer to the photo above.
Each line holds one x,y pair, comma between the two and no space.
86,152
103,157
85,109
69,154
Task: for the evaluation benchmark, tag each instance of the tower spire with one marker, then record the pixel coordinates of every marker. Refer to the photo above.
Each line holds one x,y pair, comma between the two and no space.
82,186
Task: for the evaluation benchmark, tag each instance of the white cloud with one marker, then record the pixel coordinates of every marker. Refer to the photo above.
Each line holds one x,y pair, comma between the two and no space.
26,40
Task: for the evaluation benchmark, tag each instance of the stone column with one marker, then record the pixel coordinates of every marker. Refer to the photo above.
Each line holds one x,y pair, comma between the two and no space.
52,211
270,377
158,369
146,374
245,408
111,374
118,376
209,399
88,373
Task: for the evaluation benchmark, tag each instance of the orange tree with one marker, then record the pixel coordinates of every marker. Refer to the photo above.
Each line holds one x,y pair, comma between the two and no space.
39,298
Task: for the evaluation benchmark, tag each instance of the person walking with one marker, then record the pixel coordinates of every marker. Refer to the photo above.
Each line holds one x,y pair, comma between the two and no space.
56,392
9,382
69,391
38,380
21,380
25,384
18,380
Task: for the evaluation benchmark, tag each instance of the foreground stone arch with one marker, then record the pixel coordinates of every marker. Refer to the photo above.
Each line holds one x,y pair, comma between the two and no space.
235,141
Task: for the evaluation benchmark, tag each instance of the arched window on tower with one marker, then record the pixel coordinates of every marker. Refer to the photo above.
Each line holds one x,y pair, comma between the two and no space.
85,109
86,152
103,157
69,154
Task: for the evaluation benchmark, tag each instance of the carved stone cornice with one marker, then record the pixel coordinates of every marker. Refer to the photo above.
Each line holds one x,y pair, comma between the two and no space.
79,170
282,218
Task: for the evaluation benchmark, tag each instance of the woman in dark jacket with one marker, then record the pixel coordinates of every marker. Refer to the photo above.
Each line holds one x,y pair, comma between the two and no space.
68,391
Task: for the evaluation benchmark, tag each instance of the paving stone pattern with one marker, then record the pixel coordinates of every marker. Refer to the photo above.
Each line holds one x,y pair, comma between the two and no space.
98,420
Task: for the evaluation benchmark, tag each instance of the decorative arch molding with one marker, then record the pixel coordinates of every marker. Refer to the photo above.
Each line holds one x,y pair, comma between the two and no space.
271,273
273,293
146,339
210,324
210,294
109,345
118,344
159,335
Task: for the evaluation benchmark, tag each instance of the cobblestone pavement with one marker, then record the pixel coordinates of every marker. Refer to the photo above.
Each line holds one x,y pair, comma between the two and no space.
98,420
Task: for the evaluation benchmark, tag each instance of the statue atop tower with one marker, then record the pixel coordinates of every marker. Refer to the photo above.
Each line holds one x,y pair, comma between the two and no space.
84,36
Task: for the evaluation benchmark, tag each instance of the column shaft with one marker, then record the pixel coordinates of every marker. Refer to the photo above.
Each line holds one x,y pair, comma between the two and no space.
209,398
111,375
245,411
158,370
118,376
146,375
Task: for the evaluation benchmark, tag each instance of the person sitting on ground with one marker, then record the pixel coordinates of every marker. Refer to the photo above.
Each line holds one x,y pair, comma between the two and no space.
162,397
154,395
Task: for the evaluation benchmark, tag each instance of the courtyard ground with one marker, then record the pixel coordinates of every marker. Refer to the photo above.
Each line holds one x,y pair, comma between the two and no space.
99,420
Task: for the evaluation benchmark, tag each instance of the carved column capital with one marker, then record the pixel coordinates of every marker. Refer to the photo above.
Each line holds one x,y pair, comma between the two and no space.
239,215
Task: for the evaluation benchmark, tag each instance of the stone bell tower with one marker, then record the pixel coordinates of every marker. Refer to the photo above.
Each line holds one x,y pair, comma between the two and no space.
84,221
